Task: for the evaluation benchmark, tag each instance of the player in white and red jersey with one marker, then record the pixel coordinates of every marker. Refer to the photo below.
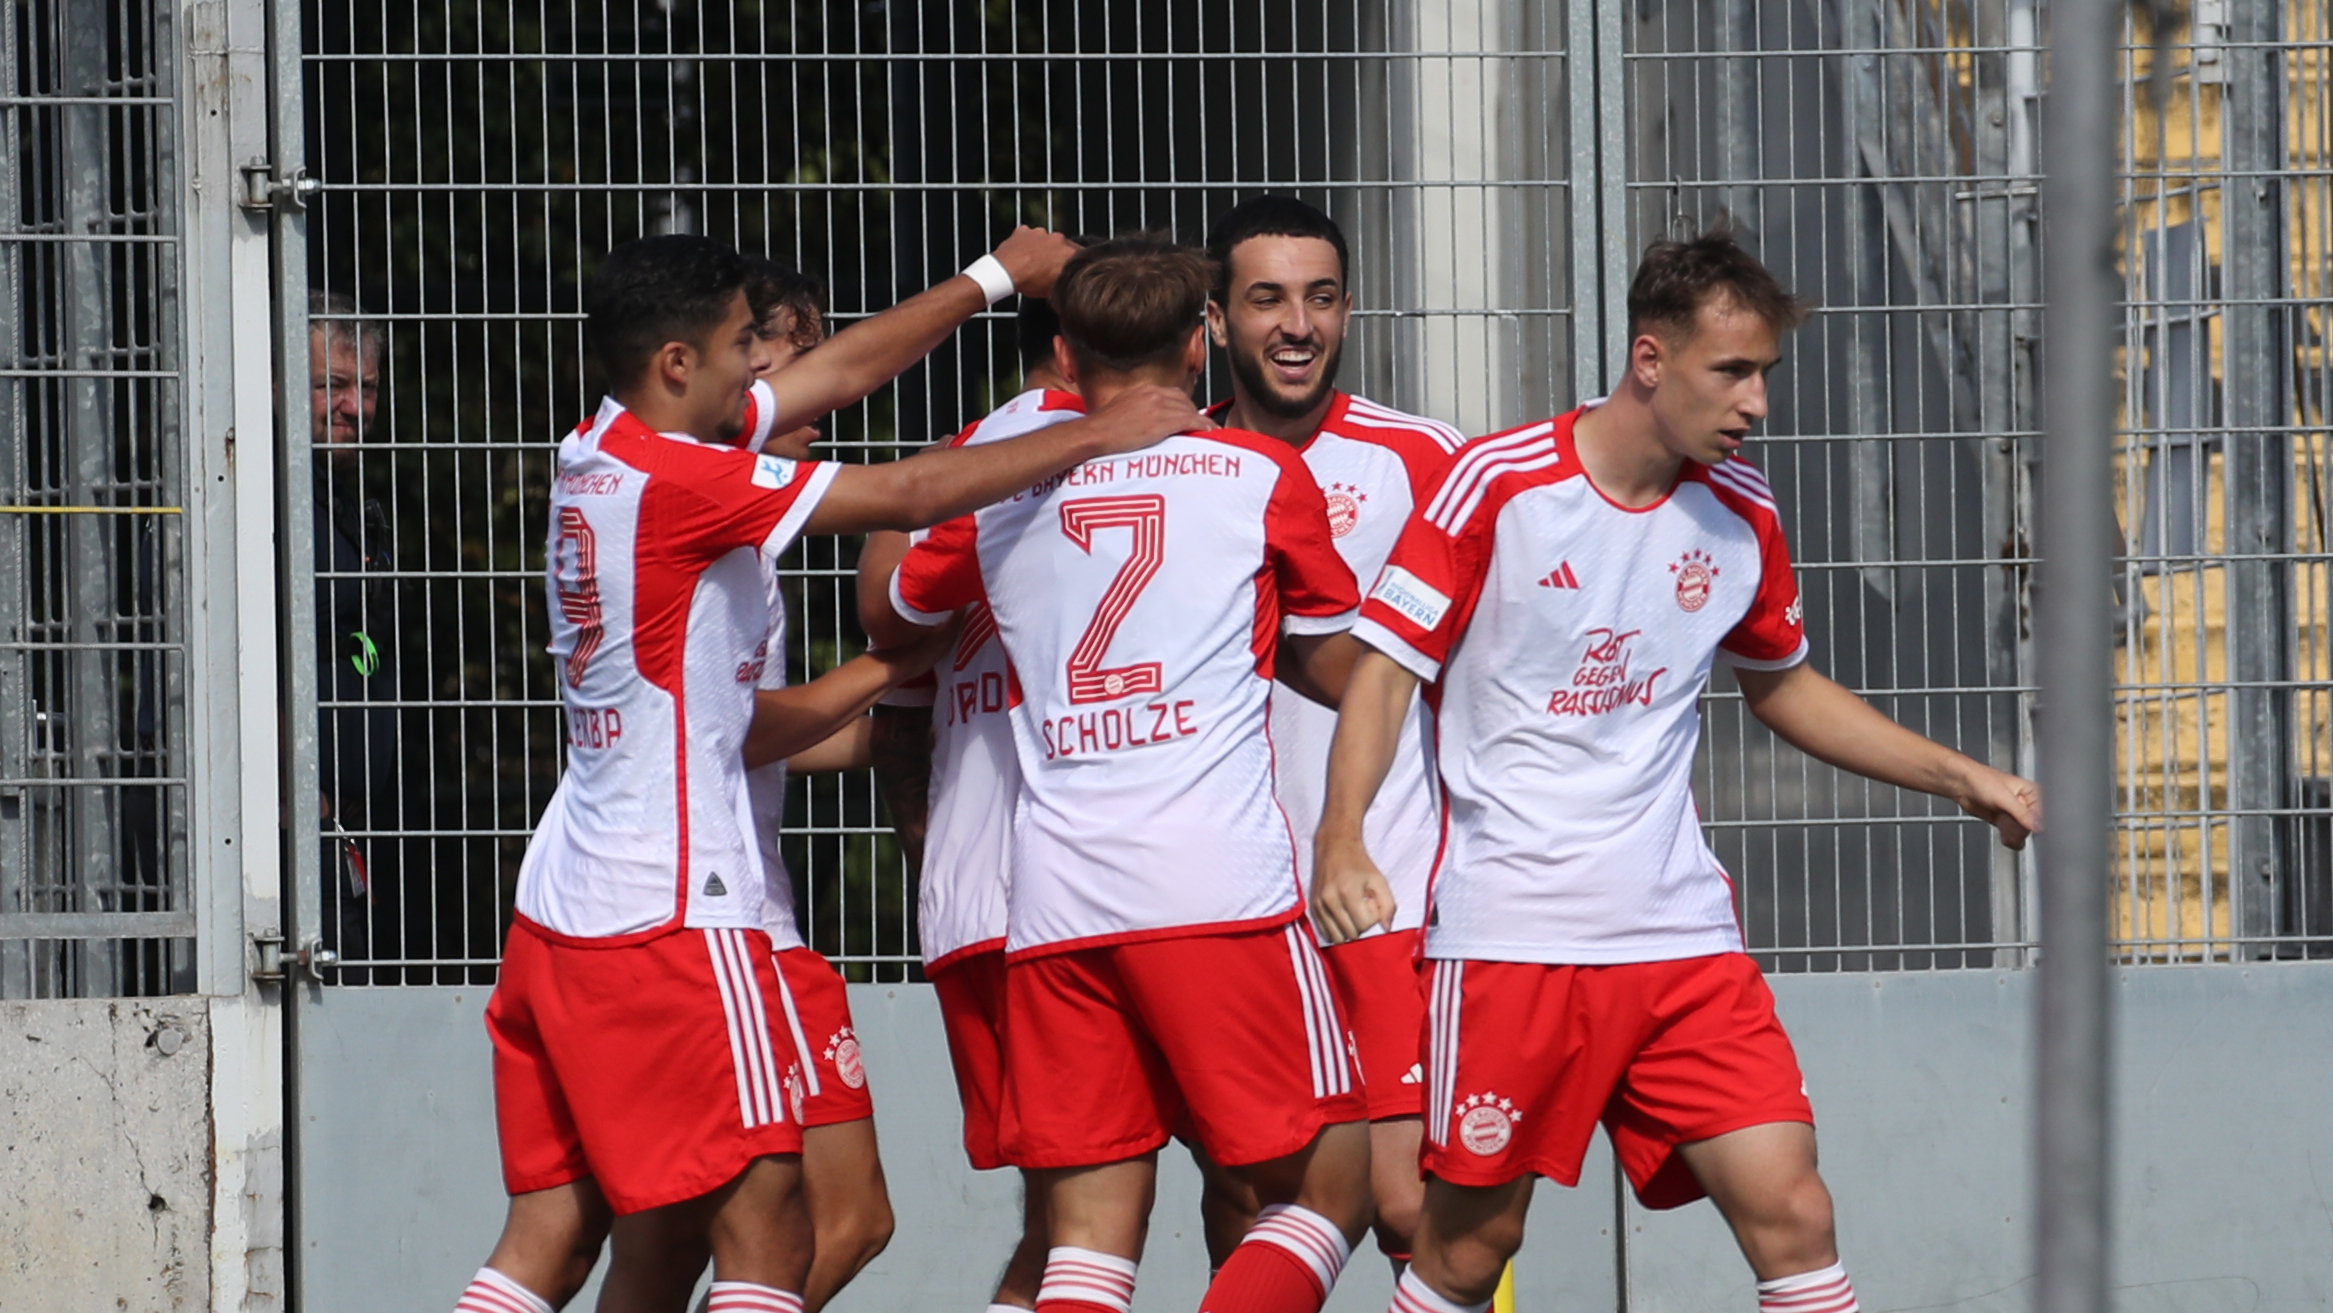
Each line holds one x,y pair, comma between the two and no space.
1567,589
636,1065
1280,310
1160,972
952,794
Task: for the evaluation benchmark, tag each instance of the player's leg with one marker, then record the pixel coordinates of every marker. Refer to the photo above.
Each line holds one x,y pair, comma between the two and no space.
1715,1104
558,1213
1088,1098
1395,1184
1227,1206
655,1257
1520,1061
1465,1236
850,1206
1249,1026
971,992
1380,989
762,1239
549,1242
1024,1272
1763,1179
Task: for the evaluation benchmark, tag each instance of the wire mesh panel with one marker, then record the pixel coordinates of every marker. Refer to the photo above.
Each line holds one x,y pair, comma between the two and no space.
2224,753
93,860
1880,155
478,156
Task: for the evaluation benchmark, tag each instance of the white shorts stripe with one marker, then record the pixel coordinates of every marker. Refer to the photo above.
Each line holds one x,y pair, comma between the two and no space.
1332,1026
1312,1035
749,1104
794,1028
1442,1049
759,1099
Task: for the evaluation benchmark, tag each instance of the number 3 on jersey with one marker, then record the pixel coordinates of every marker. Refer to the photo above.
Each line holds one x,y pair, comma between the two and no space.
575,576
1145,515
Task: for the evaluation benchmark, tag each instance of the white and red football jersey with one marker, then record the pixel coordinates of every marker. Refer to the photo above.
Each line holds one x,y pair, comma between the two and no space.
1141,599
659,625
761,416
976,775
1570,639
1374,465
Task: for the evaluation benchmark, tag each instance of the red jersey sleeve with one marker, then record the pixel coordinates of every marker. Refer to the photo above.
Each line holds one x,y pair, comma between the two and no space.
1315,588
940,573
1772,635
1421,602
704,502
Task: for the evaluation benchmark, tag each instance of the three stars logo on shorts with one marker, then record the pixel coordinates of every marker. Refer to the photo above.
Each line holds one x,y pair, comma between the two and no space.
842,1049
1486,1123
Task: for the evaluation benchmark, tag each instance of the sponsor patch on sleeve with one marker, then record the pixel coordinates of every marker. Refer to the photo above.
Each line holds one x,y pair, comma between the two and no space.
1423,603
772,472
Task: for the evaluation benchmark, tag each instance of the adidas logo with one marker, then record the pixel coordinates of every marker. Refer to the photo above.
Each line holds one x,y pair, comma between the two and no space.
1416,1075
1561,577
713,886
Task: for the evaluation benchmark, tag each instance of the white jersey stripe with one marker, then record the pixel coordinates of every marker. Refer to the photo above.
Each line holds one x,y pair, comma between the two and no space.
1736,478
1377,410
1455,519
1479,465
1442,434
794,1028
1461,470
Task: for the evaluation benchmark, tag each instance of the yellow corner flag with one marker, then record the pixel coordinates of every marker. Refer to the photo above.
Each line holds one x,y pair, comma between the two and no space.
1504,1300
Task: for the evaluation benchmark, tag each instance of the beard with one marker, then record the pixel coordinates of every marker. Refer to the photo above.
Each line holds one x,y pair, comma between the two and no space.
1256,380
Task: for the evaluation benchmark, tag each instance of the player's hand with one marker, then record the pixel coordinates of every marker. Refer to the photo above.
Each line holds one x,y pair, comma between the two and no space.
1349,893
1034,258
2008,803
1142,415
908,660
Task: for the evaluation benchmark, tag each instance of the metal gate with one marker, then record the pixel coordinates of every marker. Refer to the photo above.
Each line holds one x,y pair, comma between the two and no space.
1497,166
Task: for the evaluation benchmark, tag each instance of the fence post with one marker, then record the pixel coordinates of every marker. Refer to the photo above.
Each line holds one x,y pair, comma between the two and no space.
2083,285
2257,474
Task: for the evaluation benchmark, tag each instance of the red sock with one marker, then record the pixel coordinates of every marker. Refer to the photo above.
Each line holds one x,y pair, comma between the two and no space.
1085,1281
1287,1264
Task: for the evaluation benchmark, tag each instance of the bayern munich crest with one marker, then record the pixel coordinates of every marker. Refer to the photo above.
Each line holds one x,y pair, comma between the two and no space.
842,1049
1486,1123
1344,501
1695,572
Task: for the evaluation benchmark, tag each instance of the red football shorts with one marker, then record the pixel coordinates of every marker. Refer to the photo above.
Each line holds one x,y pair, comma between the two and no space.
1383,997
1110,1048
971,989
1523,1060
816,1003
653,1068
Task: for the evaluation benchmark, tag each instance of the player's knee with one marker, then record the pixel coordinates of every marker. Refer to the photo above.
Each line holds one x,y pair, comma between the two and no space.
1397,1220
1795,1221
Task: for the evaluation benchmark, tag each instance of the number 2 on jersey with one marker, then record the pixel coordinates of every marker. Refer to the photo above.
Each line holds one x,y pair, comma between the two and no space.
1145,515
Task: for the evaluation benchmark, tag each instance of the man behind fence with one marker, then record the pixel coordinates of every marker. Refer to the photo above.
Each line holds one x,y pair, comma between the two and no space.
1566,589
640,1069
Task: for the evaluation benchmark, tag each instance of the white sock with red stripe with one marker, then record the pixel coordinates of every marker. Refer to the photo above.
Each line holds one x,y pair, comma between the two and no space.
1411,1295
1824,1290
492,1292
1287,1263
1085,1281
748,1297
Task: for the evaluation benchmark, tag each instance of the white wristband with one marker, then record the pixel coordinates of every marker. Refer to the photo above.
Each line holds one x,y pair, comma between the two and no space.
989,272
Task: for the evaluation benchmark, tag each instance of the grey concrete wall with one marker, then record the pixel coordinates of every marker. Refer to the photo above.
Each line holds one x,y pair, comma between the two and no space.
104,1156
2221,1127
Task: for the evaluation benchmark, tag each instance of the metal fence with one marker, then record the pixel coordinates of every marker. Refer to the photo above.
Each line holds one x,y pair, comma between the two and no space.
93,734
1882,154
